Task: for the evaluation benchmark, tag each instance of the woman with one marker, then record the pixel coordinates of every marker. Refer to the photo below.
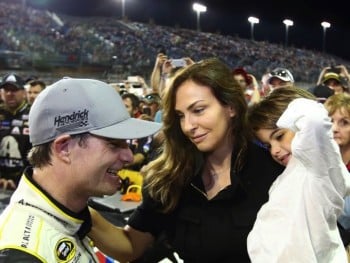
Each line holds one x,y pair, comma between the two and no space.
338,106
249,84
299,222
204,190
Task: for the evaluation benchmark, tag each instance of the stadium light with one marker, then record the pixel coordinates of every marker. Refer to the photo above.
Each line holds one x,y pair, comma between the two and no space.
123,9
325,25
252,20
199,9
288,23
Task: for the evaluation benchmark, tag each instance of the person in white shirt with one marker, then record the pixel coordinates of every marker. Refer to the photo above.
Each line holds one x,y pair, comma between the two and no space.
299,221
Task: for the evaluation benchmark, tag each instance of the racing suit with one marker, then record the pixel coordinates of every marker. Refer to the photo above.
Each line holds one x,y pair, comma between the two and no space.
36,228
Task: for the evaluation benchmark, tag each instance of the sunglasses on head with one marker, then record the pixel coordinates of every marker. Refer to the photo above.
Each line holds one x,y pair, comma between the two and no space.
281,73
152,97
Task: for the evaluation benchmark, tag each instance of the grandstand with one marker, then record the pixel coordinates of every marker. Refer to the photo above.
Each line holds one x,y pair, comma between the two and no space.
56,45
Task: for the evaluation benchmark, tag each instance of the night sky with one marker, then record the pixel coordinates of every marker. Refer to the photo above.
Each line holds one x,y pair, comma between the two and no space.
230,17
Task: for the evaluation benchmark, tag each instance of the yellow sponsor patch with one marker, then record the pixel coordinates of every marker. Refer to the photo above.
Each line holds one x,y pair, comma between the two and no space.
65,250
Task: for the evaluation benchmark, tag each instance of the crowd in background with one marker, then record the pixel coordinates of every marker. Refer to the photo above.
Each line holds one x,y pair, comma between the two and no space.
128,48
139,63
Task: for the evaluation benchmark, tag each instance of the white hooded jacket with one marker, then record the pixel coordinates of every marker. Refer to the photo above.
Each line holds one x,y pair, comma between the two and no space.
299,222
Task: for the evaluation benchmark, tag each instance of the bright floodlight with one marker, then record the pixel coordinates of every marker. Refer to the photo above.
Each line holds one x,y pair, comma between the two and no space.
325,24
253,20
199,8
288,22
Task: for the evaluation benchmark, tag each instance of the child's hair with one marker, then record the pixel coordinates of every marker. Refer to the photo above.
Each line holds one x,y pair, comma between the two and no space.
339,101
265,114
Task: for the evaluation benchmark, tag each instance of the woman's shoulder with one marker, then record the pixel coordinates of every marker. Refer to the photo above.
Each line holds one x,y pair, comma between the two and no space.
255,149
259,160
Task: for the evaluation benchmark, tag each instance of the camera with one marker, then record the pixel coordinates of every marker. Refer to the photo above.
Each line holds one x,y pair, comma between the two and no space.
133,79
178,63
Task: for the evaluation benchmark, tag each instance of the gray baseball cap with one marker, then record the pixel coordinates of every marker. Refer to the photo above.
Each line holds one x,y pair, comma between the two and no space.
73,106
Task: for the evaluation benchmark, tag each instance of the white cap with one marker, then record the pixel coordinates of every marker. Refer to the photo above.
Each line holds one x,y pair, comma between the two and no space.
73,106
282,74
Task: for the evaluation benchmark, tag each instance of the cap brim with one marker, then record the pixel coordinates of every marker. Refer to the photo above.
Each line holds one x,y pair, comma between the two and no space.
278,77
325,79
11,83
129,129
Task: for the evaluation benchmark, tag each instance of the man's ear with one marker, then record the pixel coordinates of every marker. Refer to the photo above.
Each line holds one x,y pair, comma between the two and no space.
61,147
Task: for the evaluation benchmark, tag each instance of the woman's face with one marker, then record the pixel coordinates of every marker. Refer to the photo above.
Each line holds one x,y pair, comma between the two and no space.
240,80
202,118
341,127
278,141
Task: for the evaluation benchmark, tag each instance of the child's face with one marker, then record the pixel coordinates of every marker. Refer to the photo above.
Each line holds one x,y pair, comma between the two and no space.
278,141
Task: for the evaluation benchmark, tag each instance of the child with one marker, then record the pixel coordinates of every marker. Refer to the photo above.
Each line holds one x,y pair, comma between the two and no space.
299,222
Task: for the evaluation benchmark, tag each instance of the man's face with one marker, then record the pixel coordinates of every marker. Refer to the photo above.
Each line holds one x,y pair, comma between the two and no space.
32,93
276,83
334,85
95,165
128,106
12,96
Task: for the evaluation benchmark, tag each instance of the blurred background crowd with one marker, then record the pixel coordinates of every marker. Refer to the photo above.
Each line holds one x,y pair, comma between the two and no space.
39,42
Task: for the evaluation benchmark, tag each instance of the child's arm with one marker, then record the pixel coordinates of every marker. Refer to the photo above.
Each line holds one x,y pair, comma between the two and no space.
313,143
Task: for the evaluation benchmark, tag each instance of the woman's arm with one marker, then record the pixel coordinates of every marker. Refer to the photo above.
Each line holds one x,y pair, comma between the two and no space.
123,244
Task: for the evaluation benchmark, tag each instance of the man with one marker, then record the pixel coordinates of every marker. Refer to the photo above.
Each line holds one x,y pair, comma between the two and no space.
14,132
33,90
152,104
279,78
131,102
140,147
78,128
335,82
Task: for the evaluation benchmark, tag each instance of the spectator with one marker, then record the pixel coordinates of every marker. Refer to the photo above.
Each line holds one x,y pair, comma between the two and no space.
299,222
140,146
249,85
322,92
157,75
78,147
14,133
338,107
34,88
205,188
164,70
334,82
152,104
340,70
279,78
132,102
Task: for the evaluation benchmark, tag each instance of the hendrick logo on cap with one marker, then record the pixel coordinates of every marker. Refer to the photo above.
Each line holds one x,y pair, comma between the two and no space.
72,121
